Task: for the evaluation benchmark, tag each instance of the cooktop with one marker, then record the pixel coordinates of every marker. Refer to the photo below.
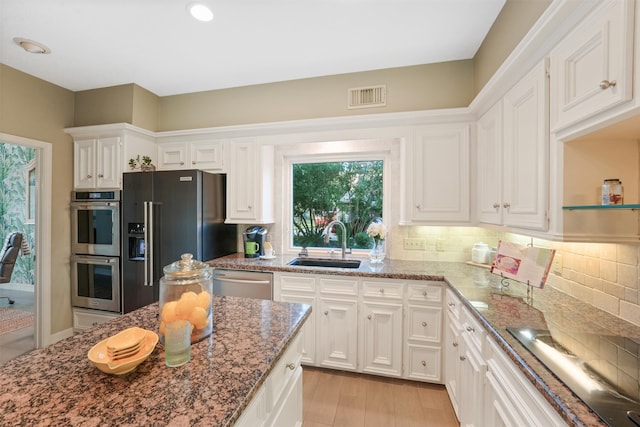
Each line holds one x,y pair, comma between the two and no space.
607,400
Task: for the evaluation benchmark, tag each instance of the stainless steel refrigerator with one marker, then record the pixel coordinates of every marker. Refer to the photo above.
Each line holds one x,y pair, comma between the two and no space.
164,215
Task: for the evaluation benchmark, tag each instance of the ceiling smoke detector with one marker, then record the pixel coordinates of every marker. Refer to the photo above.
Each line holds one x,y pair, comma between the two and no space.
31,46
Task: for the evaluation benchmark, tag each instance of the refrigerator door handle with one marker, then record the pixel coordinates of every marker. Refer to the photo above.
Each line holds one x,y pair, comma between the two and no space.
146,242
149,247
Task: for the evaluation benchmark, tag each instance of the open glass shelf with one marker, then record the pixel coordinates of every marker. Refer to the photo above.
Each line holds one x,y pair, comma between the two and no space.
601,207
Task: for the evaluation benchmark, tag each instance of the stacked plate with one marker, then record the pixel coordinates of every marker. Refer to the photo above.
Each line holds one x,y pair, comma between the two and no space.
123,352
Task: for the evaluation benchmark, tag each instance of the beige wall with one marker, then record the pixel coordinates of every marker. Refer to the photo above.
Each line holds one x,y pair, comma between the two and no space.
105,105
513,23
422,87
145,108
32,108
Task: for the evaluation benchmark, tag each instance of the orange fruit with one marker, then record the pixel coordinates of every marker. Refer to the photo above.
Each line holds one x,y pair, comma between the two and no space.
169,311
198,317
204,300
186,304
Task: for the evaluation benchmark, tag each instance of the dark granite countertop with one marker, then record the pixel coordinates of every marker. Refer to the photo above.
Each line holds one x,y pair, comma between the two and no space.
58,385
498,308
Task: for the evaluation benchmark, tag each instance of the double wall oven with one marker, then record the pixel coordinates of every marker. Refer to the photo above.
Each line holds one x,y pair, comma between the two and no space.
95,248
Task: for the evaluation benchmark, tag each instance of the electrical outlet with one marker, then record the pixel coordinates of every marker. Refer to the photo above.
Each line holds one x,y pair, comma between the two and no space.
557,264
439,245
415,244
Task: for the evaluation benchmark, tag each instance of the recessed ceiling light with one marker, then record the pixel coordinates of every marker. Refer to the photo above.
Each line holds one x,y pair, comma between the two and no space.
200,12
31,46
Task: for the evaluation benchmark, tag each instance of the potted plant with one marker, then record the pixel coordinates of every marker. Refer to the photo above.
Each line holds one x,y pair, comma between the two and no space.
144,164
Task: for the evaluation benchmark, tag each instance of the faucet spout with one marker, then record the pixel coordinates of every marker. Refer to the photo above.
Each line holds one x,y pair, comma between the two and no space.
327,231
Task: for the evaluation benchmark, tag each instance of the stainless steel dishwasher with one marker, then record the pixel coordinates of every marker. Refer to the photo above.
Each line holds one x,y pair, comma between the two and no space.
241,283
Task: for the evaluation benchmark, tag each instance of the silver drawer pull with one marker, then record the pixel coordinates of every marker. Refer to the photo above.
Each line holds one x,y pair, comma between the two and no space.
462,358
452,304
606,84
369,317
424,324
455,344
424,363
381,290
326,312
291,366
470,329
424,293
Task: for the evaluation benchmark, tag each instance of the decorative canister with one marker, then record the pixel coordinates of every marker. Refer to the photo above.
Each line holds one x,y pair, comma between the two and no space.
186,293
480,253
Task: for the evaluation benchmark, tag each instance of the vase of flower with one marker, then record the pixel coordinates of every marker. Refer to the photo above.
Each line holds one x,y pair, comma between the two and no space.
377,231
376,255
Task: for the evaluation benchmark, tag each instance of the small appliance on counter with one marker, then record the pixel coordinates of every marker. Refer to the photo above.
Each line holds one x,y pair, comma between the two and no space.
253,241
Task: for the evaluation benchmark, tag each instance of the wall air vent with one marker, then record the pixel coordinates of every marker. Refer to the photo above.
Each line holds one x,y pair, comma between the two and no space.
366,97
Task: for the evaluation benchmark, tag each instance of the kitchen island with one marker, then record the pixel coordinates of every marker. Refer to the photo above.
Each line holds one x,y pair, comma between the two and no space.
607,342
58,385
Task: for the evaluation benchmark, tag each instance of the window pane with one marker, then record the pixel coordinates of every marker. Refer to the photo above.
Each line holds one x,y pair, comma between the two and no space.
347,191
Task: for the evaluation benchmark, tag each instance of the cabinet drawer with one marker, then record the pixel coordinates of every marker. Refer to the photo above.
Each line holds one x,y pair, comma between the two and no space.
473,329
424,363
425,292
85,319
424,324
453,304
339,287
297,283
285,368
386,290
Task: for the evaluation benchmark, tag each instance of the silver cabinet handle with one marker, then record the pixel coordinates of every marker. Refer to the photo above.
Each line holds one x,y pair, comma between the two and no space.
382,290
470,329
452,304
326,313
462,358
100,175
496,205
424,363
455,344
89,176
424,293
506,205
291,366
193,162
606,84
369,317
424,324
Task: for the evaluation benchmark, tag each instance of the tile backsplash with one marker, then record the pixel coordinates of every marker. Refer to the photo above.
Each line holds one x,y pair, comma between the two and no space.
606,276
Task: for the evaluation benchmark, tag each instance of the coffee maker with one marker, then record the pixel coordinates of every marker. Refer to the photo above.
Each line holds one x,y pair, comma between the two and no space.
253,239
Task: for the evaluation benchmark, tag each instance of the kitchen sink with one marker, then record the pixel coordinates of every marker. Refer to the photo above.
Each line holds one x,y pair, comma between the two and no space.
326,262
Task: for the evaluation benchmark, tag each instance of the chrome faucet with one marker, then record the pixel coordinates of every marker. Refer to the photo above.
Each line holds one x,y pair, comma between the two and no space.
327,232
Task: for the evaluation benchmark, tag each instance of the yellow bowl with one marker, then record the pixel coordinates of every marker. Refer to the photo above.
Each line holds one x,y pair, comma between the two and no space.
126,339
99,356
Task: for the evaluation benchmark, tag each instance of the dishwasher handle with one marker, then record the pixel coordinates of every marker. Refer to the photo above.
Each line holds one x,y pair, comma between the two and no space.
257,282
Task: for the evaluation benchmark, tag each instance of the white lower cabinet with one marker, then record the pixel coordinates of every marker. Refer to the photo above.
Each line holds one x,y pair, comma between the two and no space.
506,388
452,351
278,401
302,290
381,327
337,338
472,372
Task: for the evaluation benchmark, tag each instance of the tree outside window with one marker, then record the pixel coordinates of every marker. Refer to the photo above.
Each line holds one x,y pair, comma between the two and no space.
349,191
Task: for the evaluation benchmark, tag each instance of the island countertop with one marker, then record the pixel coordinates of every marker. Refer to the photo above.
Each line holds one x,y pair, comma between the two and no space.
58,385
498,308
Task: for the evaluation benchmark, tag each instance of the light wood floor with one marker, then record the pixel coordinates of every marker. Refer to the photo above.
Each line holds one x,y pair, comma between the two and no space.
13,344
334,398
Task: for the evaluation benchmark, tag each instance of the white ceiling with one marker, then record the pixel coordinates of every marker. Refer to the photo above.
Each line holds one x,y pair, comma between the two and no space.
157,45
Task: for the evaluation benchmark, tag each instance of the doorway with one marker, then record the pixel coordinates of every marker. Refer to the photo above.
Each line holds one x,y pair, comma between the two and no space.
30,285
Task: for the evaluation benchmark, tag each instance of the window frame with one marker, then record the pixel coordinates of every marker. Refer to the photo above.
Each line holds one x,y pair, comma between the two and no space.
335,151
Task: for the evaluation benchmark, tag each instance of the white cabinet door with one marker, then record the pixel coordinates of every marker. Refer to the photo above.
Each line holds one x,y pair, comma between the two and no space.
84,170
473,369
452,365
489,166
207,155
437,179
526,148
172,156
592,67
381,334
109,163
338,330
308,332
97,163
250,186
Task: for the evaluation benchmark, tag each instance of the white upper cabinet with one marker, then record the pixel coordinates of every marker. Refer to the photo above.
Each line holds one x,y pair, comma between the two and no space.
489,166
250,186
592,67
512,156
437,175
97,163
101,153
204,155
526,151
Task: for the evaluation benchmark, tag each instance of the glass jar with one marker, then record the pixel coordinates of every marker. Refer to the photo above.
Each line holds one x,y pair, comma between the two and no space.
186,291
